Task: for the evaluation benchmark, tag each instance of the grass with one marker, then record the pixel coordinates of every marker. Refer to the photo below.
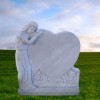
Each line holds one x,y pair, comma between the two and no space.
88,63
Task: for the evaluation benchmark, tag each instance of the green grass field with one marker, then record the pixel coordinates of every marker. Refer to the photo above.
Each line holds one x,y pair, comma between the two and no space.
88,63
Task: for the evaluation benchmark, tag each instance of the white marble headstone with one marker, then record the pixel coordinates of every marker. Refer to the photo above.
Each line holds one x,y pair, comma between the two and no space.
52,58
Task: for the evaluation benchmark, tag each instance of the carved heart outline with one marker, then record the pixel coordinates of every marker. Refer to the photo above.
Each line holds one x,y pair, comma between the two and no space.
54,54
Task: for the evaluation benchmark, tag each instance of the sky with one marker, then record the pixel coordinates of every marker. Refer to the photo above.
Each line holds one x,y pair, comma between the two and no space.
82,17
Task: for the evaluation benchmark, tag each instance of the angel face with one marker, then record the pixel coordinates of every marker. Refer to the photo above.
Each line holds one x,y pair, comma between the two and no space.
32,29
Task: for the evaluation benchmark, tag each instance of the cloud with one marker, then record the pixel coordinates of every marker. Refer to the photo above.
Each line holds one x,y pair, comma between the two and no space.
8,43
63,21
8,39
94,2
90,43
9,9
95,45
8,46
80,17
95,18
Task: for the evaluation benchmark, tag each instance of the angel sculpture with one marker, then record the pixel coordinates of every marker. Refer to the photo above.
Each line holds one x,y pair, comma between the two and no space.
23,40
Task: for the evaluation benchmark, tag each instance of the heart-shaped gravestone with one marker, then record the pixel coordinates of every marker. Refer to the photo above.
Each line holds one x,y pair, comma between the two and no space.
54,54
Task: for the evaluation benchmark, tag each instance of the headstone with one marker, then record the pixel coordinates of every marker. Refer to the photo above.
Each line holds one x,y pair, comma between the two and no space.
51,59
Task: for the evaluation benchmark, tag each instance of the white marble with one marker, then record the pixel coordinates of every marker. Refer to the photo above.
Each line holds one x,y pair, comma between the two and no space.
45,62
48,91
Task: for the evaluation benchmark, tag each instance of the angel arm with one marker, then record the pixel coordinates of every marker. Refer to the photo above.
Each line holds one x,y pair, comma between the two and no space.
33,39
26,40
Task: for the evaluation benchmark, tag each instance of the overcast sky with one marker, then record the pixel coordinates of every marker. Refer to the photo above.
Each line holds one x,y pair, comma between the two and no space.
82,17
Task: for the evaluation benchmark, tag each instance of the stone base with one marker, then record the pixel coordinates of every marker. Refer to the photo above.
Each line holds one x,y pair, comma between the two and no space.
47,91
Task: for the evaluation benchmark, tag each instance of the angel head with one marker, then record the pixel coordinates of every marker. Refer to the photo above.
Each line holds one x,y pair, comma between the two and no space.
31,27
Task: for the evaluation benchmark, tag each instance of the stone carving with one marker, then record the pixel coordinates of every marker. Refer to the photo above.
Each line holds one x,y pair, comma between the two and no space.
45,62
64,79
24,39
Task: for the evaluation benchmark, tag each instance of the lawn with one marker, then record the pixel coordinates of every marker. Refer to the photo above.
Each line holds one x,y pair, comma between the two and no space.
88,63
